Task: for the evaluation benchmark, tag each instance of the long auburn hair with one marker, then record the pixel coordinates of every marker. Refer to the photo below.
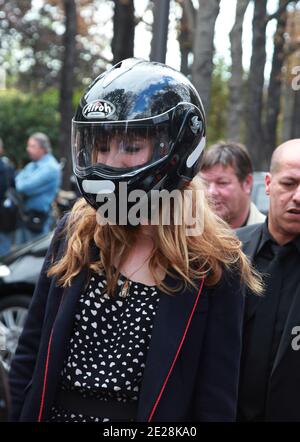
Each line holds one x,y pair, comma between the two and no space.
187,258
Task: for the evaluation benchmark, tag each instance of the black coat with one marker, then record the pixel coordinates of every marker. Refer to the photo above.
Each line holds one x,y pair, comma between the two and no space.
283,389
7,175
192,364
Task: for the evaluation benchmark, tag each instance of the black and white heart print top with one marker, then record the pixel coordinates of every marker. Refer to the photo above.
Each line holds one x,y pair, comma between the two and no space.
109,344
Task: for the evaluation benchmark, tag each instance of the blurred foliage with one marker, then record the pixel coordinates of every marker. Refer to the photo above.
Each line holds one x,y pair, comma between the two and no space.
23,114
217,117
31,42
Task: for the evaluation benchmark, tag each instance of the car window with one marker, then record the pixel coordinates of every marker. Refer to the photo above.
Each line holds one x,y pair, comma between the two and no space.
261,200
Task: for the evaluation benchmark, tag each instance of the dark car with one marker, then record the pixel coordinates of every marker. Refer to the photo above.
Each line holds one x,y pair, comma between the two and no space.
19,272
259,197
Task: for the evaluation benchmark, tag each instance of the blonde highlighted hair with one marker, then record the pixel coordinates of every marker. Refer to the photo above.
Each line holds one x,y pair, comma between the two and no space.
187,258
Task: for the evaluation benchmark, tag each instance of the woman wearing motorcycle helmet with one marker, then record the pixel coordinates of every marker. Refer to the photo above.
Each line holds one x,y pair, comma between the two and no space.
134,320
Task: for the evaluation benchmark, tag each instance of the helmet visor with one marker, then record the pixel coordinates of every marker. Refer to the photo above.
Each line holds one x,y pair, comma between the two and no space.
118,147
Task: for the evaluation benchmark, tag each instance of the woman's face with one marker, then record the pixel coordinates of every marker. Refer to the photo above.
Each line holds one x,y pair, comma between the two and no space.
122,151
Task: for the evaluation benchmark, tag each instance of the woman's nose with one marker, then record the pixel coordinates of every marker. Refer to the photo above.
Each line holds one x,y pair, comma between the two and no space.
114,156
111,159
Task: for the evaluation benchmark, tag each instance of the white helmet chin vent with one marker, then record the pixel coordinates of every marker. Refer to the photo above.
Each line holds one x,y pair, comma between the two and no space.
96,187
193,157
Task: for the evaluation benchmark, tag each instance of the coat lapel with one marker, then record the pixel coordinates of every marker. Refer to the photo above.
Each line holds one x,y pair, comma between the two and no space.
250,247
62,329
171,320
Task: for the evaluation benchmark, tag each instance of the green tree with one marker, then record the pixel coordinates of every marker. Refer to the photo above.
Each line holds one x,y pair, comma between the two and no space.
21,115
218,115
32,46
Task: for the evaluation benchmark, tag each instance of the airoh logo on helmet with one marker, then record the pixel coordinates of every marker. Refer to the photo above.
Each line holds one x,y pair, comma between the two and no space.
98,109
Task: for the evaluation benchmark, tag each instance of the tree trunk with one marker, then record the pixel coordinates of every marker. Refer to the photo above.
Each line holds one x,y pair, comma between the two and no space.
254,132
292,60
67,87
235,108
295,127
288,111
160,29
204,48
275,84
123,30
186,34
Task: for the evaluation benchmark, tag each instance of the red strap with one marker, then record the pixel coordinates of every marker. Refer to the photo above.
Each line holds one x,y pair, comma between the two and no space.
45,379
177,353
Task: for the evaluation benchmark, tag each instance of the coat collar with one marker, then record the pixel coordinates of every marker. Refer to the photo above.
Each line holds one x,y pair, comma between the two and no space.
251,244
250,247
61,332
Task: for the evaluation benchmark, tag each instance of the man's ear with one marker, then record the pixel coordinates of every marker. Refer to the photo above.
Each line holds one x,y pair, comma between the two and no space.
248,184
268,179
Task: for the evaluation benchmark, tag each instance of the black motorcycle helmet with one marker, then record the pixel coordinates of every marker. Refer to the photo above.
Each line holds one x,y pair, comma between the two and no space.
149,119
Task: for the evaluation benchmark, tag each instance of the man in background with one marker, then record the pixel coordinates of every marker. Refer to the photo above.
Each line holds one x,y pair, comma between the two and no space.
270,363
227,171
38,183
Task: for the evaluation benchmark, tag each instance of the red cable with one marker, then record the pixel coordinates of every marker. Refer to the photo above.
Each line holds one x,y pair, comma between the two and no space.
45,378
177,353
